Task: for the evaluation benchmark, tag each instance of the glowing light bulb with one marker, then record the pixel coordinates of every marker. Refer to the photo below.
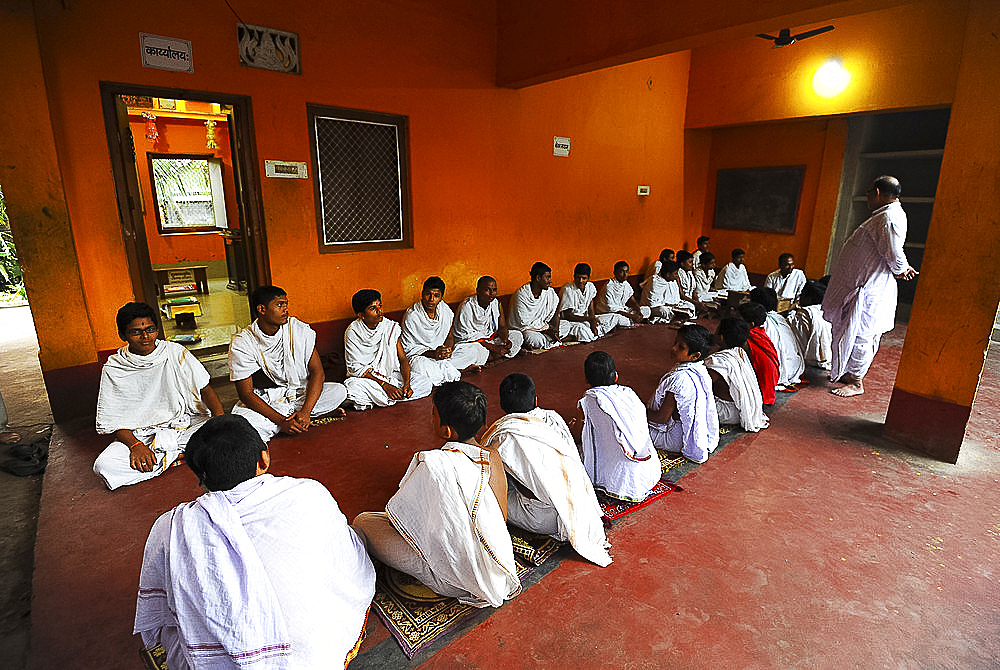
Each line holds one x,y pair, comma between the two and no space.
831,79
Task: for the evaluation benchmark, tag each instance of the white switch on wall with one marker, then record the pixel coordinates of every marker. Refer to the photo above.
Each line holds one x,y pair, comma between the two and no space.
642,190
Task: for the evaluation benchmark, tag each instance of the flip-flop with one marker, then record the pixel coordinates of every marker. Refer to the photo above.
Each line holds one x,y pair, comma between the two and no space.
9,437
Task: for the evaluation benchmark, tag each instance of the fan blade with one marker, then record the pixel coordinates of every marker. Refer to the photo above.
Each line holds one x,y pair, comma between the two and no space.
813,33
766,37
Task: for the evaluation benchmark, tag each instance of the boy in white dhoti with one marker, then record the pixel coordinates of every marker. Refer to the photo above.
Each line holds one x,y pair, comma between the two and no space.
792,364
734,382
480,322
616,305
277,371
734,275
534,310
665,255
618,454
577,317
812,331
153,396
446,525
548,491
661,294
787,281
704,277
260,571
378,370
681,414
428,341
703,244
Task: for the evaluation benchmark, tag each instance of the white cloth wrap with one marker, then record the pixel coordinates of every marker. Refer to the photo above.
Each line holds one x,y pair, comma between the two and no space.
733,365
696,435
788,287
860,301
578,302
421,333
791,364
703,280
618,453
375,349
663,297
265,575
530,313
474,323
813,333
545,460
733,278
446,510
284,356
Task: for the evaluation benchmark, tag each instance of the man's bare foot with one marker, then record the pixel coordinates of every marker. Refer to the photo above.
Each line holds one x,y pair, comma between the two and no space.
849,390
473,369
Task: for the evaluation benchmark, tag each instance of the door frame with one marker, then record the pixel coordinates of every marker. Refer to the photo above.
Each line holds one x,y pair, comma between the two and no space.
246,175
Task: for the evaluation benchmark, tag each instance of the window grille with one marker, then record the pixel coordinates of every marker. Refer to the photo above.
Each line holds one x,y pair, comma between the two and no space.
361,178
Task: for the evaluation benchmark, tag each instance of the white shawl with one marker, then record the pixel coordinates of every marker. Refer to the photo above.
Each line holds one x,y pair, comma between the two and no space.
733,278
733,365
576,300
474,322
545,460
787,287
629,417
813,333
614,297
160,390
421,333
375,350
791,362
530,313
692,389
284,356
446,510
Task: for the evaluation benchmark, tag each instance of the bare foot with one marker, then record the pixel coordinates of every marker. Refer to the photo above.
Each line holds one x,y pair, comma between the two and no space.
473,369
849,390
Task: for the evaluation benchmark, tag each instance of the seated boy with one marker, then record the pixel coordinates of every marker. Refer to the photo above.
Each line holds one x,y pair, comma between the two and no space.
734,275
480,322
428,341
792,364
534,310
154,394
661,293
737,394
548,491
665,255
681,414
763,356
787,281
377,367
577,318
260,571
704,277
278,374
704,245
616,304
813,333
618,454
446,525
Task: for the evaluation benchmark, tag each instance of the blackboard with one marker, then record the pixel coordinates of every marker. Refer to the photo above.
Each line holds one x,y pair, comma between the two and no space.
764,199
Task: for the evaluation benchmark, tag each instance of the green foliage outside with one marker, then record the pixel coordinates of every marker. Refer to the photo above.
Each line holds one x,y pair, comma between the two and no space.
11,280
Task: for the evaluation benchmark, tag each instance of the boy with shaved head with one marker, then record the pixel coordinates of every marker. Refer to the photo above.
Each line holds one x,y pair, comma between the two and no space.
480,321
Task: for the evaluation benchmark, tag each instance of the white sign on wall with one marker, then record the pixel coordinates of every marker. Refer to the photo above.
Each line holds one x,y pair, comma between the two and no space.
166,53
560,146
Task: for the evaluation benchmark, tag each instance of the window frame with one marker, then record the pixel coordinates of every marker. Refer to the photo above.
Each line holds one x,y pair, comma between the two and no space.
183,230
401,124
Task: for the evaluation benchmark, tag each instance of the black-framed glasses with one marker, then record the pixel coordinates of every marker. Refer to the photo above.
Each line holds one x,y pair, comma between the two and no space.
136,332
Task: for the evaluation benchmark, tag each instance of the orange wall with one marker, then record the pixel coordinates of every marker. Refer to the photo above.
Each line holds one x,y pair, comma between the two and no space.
774,144
183,136
488,196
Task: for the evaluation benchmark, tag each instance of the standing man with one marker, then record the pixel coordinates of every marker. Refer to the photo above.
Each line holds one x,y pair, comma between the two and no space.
860,301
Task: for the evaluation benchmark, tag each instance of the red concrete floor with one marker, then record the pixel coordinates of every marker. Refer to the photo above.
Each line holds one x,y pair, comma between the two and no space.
812,545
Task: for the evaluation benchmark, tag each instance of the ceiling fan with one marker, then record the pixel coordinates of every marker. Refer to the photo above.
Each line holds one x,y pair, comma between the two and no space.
785,37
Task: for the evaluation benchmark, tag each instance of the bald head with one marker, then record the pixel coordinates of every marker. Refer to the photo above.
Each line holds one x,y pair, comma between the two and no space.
884,190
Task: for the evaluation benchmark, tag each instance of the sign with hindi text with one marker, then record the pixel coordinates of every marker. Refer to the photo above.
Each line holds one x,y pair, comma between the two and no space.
560,146
166,53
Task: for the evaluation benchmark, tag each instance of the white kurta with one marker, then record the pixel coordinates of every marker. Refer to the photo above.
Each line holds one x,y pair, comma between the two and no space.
374,350
696,434
791,363
747,406
860,300
578,302
545,460
612,299
475,323
686,281
158,398
663,297
703,280
281,580
813,334
788,287
618,454
532,316
422,334
446,510
733,278
284,359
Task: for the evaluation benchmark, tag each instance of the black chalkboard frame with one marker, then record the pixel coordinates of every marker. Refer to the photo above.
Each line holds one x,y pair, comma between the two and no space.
760,199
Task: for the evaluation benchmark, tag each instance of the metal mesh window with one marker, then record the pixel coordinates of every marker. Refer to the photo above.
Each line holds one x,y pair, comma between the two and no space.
362,194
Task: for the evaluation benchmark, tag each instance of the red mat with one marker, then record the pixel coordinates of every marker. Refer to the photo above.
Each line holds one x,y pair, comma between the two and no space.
616,509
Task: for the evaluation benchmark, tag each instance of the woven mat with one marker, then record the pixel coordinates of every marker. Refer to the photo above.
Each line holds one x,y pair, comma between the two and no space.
539,352
615,508
416,616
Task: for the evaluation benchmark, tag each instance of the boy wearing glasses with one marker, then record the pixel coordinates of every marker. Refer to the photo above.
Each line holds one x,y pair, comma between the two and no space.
154,394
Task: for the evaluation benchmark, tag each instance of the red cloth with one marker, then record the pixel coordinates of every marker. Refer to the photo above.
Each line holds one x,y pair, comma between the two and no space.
764,359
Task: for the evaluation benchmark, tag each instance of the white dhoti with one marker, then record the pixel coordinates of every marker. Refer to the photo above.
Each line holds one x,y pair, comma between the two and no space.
575,330
114,465
532,316
375,351
475,324
366,393
285,403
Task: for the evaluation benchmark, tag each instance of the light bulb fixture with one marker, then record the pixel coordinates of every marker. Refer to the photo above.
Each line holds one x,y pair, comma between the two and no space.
831,79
